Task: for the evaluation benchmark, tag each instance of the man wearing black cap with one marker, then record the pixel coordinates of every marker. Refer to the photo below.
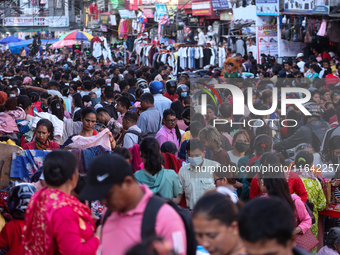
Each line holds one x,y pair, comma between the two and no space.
111,180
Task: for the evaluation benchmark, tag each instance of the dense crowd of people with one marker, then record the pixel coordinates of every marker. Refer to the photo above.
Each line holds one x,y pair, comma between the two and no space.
119,157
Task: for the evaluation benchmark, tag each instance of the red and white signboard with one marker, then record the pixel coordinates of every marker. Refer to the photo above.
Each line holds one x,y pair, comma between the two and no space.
202,8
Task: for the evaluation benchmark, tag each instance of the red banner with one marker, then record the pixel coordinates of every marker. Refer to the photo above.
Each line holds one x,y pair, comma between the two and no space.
131,5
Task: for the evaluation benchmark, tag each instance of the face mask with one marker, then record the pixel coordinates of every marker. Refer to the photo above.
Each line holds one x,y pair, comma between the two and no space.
184,94
12,95
241,147
187,123
1,76
196,161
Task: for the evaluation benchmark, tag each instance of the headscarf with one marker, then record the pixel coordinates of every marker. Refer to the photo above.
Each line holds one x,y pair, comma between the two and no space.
27,80
38,229
3,97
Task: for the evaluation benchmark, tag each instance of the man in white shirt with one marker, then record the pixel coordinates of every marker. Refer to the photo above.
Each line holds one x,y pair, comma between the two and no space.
197,176
130,125
301,63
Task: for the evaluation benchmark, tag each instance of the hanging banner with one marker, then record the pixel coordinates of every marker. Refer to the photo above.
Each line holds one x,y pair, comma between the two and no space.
117,4
126,14
308,6
266,36
267,7
202,8
220,4
131,5
172,9
113,20
161,10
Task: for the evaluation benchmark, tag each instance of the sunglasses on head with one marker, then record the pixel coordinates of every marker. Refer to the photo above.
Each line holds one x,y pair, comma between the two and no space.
336,93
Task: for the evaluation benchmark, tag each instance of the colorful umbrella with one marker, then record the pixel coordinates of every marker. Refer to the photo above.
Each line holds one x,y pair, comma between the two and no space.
77,35
60,44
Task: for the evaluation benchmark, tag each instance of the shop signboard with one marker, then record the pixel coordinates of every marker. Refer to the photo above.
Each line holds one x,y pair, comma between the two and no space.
220,4
267,7
161,10
117,4
153,2
266,37
62,21
202,8
126,14
308,6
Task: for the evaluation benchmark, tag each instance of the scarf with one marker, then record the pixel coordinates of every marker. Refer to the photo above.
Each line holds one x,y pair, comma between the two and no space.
43,146
38,229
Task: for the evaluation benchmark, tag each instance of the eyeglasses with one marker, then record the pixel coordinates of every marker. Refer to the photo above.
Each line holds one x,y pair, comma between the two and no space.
215,180
172,121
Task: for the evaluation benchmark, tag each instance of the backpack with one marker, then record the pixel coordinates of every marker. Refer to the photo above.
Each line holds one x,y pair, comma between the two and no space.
318,135
149,221
111,109
141,135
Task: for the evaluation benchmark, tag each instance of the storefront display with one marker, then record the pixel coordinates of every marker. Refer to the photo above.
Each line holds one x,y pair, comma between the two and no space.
307,6
267,7
267,36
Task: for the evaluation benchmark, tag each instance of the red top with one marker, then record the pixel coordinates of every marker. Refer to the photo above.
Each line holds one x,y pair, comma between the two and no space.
31,146
173,97
331,79
37,106
11,237
294,182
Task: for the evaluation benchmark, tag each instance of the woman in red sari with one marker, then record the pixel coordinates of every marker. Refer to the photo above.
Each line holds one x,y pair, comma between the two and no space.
55,221
43,137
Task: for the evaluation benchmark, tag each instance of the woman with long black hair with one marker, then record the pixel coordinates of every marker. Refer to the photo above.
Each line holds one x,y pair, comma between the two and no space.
164,182
274,184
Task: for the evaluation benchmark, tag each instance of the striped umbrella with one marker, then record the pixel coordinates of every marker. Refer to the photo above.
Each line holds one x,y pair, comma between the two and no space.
77,35
61,44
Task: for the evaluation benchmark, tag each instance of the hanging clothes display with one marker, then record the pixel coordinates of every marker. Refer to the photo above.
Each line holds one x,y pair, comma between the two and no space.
240,47
222,55
207,56
97,49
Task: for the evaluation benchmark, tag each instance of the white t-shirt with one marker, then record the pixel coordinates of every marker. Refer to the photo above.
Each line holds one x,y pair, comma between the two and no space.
301,64
233,158
54,93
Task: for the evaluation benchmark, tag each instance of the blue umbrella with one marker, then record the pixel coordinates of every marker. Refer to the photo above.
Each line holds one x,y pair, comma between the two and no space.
9,39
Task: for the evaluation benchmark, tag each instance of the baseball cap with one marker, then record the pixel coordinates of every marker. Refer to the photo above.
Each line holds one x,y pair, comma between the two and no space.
90,68
168,146
86,72
300,55
103,172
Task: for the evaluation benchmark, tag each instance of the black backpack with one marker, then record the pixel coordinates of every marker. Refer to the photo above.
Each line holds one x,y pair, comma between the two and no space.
318,135
111,109
149,221
141,135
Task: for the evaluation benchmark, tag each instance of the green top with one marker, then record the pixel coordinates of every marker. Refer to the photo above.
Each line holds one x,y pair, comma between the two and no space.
231,75
165,183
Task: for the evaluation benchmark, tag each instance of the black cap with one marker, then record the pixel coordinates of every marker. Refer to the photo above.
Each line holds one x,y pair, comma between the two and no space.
104,171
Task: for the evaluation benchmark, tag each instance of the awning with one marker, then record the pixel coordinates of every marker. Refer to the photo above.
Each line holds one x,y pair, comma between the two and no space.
22,29
148,13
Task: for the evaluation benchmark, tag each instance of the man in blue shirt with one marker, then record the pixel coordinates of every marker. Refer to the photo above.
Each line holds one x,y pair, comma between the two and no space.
27,49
